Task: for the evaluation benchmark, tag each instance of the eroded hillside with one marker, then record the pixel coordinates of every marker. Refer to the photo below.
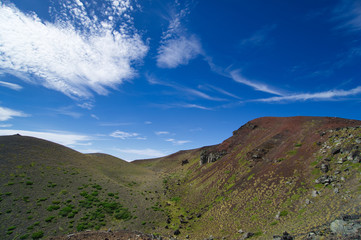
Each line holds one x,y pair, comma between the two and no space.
273,175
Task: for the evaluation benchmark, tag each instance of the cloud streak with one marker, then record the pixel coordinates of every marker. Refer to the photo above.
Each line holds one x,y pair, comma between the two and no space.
7,113
126,135
78,54
350,13
182,89
327,95
177,142
12,86
236,76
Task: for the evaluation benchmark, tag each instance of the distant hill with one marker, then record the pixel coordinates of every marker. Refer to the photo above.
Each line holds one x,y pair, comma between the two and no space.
301,175
48,189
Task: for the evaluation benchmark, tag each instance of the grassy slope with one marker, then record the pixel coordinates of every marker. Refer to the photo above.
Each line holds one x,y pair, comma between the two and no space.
37,177
242,192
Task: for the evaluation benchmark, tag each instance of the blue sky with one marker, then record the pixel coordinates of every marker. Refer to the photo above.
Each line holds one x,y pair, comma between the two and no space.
142,79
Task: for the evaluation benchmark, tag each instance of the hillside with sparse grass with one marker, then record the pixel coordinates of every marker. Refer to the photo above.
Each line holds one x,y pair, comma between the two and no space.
301,175
47,189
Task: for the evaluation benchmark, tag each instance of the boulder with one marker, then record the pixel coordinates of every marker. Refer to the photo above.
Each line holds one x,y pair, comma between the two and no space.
185,162
246,235
354,157
341,227
325,167
209,157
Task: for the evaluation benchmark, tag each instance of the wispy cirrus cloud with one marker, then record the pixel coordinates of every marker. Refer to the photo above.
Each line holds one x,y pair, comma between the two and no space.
64,138
83,51
320,96
7,113
6,125
237,76
126,135
349,12
161,133
177,46
177,142
260,37
12,86
217,89
182,89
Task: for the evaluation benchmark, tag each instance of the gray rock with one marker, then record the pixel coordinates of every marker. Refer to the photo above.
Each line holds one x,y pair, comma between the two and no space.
315,193
324,168
336,190
246,235
354,157
278,215
344,228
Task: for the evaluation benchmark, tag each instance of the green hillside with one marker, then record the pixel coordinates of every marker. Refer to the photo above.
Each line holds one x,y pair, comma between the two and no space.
48,189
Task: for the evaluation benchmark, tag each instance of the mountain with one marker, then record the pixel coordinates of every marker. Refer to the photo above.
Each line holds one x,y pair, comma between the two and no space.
296,174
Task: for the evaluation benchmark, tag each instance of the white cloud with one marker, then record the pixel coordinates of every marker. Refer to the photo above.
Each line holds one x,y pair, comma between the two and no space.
12,86
7,113
162,133
177,46
94,116
220,90
6,125
126,135
147,122
236,76
328,95
178,51
148,152
86,105
177,142
194,106
63,138
78,54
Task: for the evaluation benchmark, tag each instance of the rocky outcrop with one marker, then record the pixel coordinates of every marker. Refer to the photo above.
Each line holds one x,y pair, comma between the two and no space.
184,162
285,236
209,157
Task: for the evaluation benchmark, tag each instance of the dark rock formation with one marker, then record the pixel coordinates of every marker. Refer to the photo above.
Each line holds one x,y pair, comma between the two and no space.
209,157
185,162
